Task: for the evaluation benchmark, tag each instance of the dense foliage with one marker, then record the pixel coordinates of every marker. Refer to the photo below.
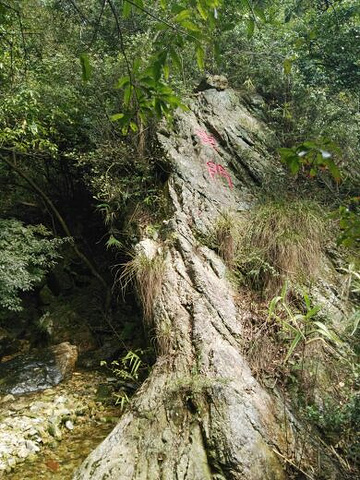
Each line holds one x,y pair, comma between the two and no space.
26,256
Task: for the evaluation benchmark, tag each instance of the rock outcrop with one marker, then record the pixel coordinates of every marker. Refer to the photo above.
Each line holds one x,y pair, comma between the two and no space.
37,371
201,414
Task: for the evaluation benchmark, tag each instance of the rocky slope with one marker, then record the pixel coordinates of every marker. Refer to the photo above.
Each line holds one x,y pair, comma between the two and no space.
201,414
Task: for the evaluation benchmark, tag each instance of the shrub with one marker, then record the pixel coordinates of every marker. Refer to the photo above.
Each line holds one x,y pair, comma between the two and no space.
27,254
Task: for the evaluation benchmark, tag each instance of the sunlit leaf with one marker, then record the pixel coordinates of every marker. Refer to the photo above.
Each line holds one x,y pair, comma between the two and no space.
202,11
190,26
116,116
166,70
183,15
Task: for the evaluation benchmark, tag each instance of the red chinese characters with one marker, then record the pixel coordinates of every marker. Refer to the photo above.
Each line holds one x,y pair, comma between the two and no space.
216,169
206,139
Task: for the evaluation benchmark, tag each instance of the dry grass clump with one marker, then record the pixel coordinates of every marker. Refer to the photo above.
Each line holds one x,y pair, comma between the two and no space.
226,237
147,275
281,240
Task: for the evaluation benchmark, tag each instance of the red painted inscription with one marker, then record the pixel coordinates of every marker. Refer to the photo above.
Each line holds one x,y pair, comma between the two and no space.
216,169
206,139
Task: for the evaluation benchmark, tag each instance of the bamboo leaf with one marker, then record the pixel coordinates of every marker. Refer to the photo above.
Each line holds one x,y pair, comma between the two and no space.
85,66
116,116
183,15
126,11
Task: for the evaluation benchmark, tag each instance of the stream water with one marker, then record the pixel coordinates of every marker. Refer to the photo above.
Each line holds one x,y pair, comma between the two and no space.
59,462
61,454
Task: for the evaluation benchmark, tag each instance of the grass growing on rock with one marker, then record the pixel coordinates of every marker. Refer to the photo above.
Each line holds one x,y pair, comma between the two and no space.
281,240
147,274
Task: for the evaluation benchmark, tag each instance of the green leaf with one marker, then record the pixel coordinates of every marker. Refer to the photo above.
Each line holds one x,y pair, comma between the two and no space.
293,345
327,333
183,15
250,27
156,70
116,116
273,304
355,319
190,26
85,66
312,312
294,165
158,107
175,58
333,169
166,69
172,100
113,242
134,127
287,66
260,14
163,4
127,7
122,82
217,52
127,94
200,54
202,11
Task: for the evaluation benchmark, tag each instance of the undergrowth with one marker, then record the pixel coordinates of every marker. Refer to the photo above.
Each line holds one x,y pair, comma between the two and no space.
292,347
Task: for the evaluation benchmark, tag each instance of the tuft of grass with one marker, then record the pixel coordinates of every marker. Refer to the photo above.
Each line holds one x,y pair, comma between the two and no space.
281,240
147,275
224,238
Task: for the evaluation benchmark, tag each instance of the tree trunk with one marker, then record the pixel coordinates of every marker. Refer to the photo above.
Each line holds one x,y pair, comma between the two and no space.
201,414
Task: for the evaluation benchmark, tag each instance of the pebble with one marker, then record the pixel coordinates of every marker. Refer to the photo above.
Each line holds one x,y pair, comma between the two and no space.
69,425
8,398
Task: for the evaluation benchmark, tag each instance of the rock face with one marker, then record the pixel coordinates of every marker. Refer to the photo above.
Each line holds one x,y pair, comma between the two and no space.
37,371
201,414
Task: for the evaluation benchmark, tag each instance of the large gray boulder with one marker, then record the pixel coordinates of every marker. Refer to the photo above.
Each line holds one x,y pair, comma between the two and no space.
37,371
